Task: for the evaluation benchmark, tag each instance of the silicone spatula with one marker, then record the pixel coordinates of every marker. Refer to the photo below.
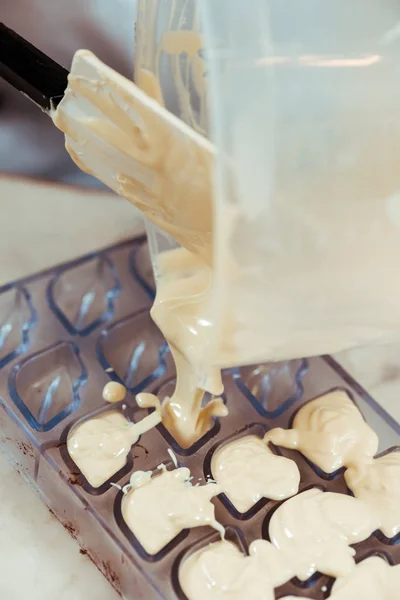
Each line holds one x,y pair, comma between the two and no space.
123,137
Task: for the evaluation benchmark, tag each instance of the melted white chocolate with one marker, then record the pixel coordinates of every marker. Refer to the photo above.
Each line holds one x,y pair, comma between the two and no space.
99,447
159,164
221,571
124,137
156,509
330,431
314,531
248,470
372,579
114,392
378,485
180,311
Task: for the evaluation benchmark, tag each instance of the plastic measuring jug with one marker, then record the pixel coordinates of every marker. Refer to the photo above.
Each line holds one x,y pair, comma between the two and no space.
302,100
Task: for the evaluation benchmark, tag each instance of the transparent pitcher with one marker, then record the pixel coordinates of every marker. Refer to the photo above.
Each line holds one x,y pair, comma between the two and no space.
302,100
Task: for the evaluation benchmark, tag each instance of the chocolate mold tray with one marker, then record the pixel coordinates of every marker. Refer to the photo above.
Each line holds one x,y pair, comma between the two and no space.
64,334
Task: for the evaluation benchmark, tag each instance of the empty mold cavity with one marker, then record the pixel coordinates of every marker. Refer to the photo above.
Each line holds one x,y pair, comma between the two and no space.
46,386
272,388
83,296
17,317
133,351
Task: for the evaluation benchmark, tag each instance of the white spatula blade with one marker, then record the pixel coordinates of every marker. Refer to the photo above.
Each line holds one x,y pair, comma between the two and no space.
137,148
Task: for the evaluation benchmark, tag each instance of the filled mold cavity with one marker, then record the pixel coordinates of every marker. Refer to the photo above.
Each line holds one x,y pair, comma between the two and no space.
233,535
316,530
251,472
330,432
157,507
377,483
371,579
220,569
98,448
166,391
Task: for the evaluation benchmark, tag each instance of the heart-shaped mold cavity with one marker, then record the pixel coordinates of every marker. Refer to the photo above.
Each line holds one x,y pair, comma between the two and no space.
272,388
45,386
83,296
17,317
133,351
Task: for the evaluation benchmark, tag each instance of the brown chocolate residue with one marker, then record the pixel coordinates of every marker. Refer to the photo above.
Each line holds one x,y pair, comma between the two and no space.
26,448
141,446
70,527
74,479
110,574
105,568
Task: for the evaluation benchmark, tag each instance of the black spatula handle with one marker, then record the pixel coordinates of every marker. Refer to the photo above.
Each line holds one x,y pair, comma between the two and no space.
30,71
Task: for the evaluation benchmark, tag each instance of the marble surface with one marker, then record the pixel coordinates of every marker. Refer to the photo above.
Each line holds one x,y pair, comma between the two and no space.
42,226
38,559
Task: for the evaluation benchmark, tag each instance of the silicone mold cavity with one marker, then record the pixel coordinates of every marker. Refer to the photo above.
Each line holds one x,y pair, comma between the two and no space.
272,388
166,390
56,378
17,317
46,386
80,479
130,536
83,296
232,534
133,351
258,430
322,474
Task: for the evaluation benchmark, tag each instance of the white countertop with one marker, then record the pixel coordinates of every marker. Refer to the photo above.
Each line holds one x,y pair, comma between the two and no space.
42,226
